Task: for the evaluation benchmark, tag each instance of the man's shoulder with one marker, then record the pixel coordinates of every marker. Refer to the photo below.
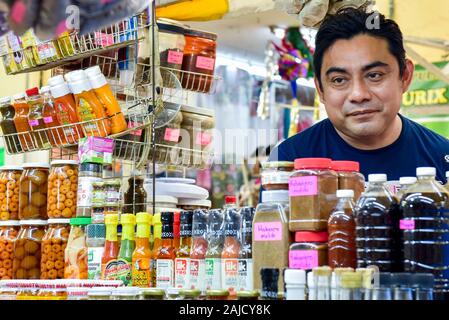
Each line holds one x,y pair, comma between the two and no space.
427,136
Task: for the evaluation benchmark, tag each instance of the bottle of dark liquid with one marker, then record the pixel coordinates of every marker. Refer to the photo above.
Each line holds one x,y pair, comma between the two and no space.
269,278
7,125
135,197
246,250
425,230
341,228
377,227
215,242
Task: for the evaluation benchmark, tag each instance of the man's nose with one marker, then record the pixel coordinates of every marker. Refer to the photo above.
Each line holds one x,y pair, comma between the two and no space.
359,92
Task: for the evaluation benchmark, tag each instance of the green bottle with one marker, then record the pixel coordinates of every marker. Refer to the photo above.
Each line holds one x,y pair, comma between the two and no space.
127,246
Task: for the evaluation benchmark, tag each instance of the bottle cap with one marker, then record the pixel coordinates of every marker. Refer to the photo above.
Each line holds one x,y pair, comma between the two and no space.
127,218
32,92
144,218
19,96
5,100
45,89
230,199
407,180
152,292
58,221
275,196
346,166
294,276
426,171
111,218
217,293
345,193
60,90
33,222
97,81
79,86
93,71
36,165
157,218
56,80
377,178
81,221
308,236
190,292
96,231
76,76
313,163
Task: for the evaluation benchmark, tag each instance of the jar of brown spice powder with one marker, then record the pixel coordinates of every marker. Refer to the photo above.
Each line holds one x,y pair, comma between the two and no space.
309,250
349,177
312,191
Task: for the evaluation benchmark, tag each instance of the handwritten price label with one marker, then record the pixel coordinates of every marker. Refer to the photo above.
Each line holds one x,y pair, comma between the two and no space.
303,259
267,231
303,186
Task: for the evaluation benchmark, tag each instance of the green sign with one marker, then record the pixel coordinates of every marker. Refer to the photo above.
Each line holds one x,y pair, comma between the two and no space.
2,156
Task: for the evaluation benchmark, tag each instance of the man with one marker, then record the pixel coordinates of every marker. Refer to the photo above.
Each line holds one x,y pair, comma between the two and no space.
361,75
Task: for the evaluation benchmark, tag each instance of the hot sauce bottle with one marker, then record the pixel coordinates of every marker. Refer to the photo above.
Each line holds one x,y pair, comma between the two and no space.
127,247
141,259
230,253
182,261
109,258
198,251
166,254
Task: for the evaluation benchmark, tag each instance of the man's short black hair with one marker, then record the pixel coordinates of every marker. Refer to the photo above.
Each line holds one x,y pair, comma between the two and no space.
352,22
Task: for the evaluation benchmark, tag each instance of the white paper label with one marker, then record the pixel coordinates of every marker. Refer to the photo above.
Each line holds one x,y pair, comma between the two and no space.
85,190
230,274
182,272
213,274
94,263
197,274
164,273
245,275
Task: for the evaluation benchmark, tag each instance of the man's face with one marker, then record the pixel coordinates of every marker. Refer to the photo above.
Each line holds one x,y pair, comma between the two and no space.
362,89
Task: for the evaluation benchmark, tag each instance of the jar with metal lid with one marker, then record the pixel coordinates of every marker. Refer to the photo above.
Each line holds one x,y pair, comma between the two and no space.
171,44
62,188
125,293
151,294
248,295
217,295
198,124
27,249
312,190
199,59
309,250
8,235
9,192
349,177
190,294
112,190
75,257
99,293
54,243
89,174
275,175
33,191
192,204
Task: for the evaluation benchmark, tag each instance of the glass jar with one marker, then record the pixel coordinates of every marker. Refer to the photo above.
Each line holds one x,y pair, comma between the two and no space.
22,109
112,190
190,294
171,44
99,293
198,124
168,136
75,257
125,293
53,248
36,119
309,250
275,175
27,249
8,235
98,193
12,142
89,174
9,192
217,295
62,188
33,191
312,190
247,295
111,208
51,290
199,57
192,205
349,177
151,294
135,197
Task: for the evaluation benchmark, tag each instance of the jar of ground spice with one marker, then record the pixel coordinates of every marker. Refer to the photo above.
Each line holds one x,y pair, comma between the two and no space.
309,250
312,191
275,175
349,177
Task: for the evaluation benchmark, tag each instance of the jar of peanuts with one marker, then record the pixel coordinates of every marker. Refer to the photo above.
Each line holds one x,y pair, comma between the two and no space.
53,248
62,188
33,191
9,192
8,235
27,249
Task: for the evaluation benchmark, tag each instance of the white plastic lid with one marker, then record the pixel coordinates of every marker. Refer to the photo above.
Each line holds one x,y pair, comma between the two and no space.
58,221
9,223
80,86
93,71
345,193
56,80
202,111
377,177
407,180
275,196
172,290
19,96
164,199
193,202
36,165
33,222
295,276
16,168
45,89
76,76
5,100
97,80
60,90
311,280
426,171
56,162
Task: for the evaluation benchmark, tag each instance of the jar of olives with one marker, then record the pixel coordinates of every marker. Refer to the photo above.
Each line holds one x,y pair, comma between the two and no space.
33,191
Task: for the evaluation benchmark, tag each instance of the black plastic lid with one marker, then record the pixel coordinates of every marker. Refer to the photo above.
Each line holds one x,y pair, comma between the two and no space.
170,28
200,34
94,167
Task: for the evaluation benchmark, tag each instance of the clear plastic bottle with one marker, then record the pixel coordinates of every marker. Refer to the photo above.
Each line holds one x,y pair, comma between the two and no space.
215,242
36,118
96,237
405,183
246,250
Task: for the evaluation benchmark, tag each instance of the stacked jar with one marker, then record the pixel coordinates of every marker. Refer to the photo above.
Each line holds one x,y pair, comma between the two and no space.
75,256
171,44
8,235
89,174
349,177
275,175
33,191
192,204
54,243
9,192
62,188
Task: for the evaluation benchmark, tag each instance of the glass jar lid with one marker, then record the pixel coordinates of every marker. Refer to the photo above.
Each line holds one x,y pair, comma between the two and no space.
217,293
69,162
152,292
33,222
11,168
190,292
277,164
36,165
10,223
58,221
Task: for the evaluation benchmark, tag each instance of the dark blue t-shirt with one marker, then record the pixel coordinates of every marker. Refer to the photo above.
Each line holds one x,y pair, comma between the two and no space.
416,146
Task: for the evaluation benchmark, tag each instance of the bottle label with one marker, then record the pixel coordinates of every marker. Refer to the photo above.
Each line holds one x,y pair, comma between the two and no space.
197,274
268,231
246,275
33,123
213,274
303,259
279,177
303,186
175,57
182,272
141,273
231,232
407,224
230,275
185,232
124,271
109,270
134,124
205,63
86,114
48,120
172,135
94,263
85,190
203,139
112,196
164,273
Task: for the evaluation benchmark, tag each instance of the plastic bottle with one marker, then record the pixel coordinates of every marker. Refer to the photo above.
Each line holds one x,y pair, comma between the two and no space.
111,246
182,261
341,228
141,258
295,284
106,96
127,246
166,254
269,279
405,183
8,127
198,251
176,230
55,136
22,110
96,237
215,241
36,119
246,282
231,249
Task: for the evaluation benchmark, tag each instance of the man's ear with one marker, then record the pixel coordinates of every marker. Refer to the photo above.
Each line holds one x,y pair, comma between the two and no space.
318,89
407,77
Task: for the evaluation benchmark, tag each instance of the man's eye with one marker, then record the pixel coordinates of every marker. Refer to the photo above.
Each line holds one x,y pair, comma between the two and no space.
375,76
338,81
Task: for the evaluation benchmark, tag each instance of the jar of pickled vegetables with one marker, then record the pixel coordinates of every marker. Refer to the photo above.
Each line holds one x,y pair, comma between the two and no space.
62,189
8,235
27,249
75,256
54,244
33,191
9,192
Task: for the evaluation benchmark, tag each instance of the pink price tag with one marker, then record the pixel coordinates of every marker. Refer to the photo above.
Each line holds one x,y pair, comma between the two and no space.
407,224
34,123
267,231
48,119
133,124
303,259
205,63
175,57
303,186
104,39
172,135
203,138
